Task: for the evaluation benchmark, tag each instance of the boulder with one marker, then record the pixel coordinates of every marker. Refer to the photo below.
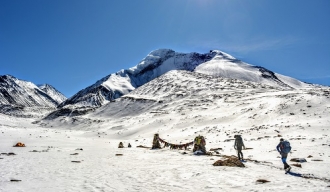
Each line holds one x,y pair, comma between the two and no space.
19,144
231,161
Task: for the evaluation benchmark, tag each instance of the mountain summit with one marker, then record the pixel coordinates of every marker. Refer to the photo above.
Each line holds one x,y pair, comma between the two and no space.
25,99
159,62
53,93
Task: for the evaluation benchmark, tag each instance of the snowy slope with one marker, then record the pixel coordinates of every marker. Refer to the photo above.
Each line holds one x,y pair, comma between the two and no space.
160,61
53,93
226,66
22,98
80,153
116,85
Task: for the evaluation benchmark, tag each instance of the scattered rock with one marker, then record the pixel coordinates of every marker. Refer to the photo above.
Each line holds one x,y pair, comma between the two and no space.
309,156
300,160
209,153
184,153
121,145
74,154
80,149
141,146
231,161
76,161
228,140
296,165
215,149
119,154
262,181
39,151
129,145
15,180
317,160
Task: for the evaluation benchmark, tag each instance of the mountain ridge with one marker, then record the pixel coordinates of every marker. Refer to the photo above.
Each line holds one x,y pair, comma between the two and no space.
158,62
23,98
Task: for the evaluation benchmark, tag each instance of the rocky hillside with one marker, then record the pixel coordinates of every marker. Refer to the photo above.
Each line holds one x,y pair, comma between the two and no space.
25,99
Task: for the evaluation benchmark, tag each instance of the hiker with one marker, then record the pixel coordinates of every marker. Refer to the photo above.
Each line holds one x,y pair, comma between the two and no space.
238,146
284,148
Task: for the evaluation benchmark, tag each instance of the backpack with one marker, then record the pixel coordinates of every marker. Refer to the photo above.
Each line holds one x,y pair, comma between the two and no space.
285,147
199,140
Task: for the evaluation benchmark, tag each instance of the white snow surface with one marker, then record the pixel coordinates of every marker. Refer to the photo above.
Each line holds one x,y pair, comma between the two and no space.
118,83
179,106
53,93
222,67
159,62
27,94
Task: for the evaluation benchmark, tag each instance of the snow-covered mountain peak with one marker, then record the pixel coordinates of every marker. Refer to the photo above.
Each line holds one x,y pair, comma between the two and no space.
54,93
161,52
156,63
217,54
152,58
25,99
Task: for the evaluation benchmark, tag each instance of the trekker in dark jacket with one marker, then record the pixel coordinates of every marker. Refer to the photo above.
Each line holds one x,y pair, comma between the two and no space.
284,153
238,146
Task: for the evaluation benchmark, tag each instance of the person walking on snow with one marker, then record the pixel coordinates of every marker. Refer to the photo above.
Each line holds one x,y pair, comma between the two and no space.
238,146
284,148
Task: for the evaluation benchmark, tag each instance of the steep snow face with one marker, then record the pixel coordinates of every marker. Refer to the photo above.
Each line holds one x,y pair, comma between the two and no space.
224,65
24,99
116,85
159,62
102,92
53,93
18,92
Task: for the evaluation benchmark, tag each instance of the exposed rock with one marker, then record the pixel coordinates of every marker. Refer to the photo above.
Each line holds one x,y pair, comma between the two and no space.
15,180
231,161
300,160
141,146
19,144
121,145
296,165
262,181
76,161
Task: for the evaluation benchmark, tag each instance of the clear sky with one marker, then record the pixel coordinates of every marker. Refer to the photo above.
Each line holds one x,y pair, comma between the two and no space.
71,44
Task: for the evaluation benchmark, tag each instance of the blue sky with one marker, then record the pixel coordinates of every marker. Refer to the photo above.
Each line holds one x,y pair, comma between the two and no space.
71,44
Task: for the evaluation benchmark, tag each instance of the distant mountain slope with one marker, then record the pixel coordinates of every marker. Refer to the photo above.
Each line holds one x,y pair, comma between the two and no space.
180,99
223,65
53,93
18,95
180,91
159,62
